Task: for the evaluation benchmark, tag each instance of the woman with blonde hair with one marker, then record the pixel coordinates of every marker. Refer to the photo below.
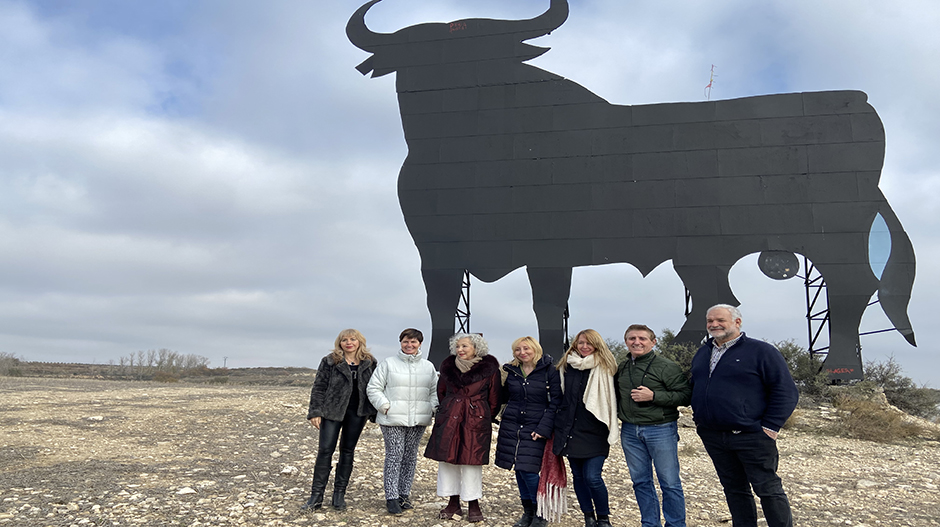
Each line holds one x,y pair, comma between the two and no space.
586,424
532,394
338,403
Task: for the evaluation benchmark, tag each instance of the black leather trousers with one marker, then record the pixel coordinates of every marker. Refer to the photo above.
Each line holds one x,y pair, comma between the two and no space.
346,433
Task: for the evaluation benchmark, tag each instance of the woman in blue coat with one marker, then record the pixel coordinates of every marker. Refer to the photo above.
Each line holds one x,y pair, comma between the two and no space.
532,393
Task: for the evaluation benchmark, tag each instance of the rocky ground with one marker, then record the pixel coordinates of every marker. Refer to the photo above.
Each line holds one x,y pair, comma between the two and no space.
85,452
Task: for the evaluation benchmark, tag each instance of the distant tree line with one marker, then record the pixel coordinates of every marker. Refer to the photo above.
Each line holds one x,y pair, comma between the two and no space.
880,376
162,365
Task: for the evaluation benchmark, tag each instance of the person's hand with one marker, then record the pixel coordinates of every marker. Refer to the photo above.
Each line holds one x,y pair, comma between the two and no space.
536,436
641,394
771,434
315,422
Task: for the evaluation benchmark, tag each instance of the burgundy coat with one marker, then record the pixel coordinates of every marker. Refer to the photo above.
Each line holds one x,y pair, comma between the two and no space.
463,425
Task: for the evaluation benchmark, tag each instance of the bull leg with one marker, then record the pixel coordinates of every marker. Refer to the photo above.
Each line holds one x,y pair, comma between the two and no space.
850,288
844,360
550,290
443,292
708,285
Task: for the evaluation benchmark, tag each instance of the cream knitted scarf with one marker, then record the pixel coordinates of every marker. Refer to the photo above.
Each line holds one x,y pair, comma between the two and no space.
599,396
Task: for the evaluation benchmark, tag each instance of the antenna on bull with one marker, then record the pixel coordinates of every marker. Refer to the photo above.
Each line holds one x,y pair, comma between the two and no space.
711,82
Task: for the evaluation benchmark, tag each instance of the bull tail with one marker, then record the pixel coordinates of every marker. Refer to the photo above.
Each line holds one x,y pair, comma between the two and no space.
897,280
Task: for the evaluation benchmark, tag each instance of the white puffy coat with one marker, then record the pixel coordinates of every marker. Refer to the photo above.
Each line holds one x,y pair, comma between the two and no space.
403,389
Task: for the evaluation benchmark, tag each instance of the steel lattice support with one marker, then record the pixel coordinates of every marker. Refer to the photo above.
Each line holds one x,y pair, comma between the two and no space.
463,308
567,341
817,322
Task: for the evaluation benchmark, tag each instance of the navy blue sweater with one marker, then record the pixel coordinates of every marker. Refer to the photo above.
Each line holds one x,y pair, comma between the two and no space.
750,388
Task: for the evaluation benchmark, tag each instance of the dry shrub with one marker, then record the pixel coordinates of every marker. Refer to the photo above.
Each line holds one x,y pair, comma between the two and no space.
10,365
866,419
901,391
162,376
795,420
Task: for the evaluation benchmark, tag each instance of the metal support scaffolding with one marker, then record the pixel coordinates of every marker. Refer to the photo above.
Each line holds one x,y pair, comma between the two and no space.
565,322
463,308
817,322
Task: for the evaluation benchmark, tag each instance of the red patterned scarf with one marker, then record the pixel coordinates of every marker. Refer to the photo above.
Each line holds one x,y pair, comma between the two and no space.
552,498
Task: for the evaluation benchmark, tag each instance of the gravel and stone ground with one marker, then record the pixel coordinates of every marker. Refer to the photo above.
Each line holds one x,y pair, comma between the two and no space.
86,452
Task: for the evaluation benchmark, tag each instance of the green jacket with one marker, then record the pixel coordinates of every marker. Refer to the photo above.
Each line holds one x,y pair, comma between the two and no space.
670,389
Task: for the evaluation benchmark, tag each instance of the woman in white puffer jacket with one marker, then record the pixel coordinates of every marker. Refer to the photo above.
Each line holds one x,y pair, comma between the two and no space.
403,389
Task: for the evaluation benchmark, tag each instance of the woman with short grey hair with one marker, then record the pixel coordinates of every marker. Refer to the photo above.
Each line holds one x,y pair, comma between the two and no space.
468,390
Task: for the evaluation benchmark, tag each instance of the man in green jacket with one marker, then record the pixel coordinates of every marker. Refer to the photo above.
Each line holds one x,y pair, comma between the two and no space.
650,388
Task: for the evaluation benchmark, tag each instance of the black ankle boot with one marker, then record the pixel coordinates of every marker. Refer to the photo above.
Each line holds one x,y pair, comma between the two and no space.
539,521
339,499
528,511
393,506
405,503
603,520
314,502
589,520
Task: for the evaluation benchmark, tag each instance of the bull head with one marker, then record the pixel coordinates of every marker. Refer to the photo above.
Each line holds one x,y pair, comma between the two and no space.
432,44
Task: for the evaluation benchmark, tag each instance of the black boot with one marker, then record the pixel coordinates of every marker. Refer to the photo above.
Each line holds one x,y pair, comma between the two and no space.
393,506
339,499
589,520
528,511
321,474
341,481
603,520
539,521
405,503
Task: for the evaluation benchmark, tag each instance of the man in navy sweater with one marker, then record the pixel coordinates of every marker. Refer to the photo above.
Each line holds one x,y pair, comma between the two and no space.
742,394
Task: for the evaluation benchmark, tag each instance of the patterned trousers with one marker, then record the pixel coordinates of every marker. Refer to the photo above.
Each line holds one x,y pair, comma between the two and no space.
401,458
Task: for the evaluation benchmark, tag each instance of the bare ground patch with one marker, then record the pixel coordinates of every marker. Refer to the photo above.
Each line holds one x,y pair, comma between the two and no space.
86,452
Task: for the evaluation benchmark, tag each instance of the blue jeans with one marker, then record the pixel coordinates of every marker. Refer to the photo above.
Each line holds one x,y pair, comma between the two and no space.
742,461
528,485
648,446
589,487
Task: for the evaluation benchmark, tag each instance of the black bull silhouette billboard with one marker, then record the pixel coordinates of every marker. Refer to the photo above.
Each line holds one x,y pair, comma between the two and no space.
513,166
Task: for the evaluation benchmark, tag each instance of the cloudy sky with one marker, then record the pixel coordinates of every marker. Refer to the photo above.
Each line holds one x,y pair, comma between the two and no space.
216,178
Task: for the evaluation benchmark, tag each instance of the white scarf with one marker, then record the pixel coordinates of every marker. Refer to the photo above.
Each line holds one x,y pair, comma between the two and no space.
599,396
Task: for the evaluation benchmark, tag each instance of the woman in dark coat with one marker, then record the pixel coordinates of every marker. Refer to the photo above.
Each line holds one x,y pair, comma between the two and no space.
468,391
586,423
338,403
532,393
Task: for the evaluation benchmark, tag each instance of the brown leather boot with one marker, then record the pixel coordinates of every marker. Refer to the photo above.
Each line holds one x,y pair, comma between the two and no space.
452,509
474,513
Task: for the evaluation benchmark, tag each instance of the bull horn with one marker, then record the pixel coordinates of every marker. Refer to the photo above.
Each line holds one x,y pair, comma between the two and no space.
543,24
361,36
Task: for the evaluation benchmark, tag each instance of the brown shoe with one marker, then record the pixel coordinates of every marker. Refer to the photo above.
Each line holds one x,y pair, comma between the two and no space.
475,514
452,509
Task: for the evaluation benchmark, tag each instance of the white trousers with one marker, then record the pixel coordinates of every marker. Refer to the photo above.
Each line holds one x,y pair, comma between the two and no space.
465,481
